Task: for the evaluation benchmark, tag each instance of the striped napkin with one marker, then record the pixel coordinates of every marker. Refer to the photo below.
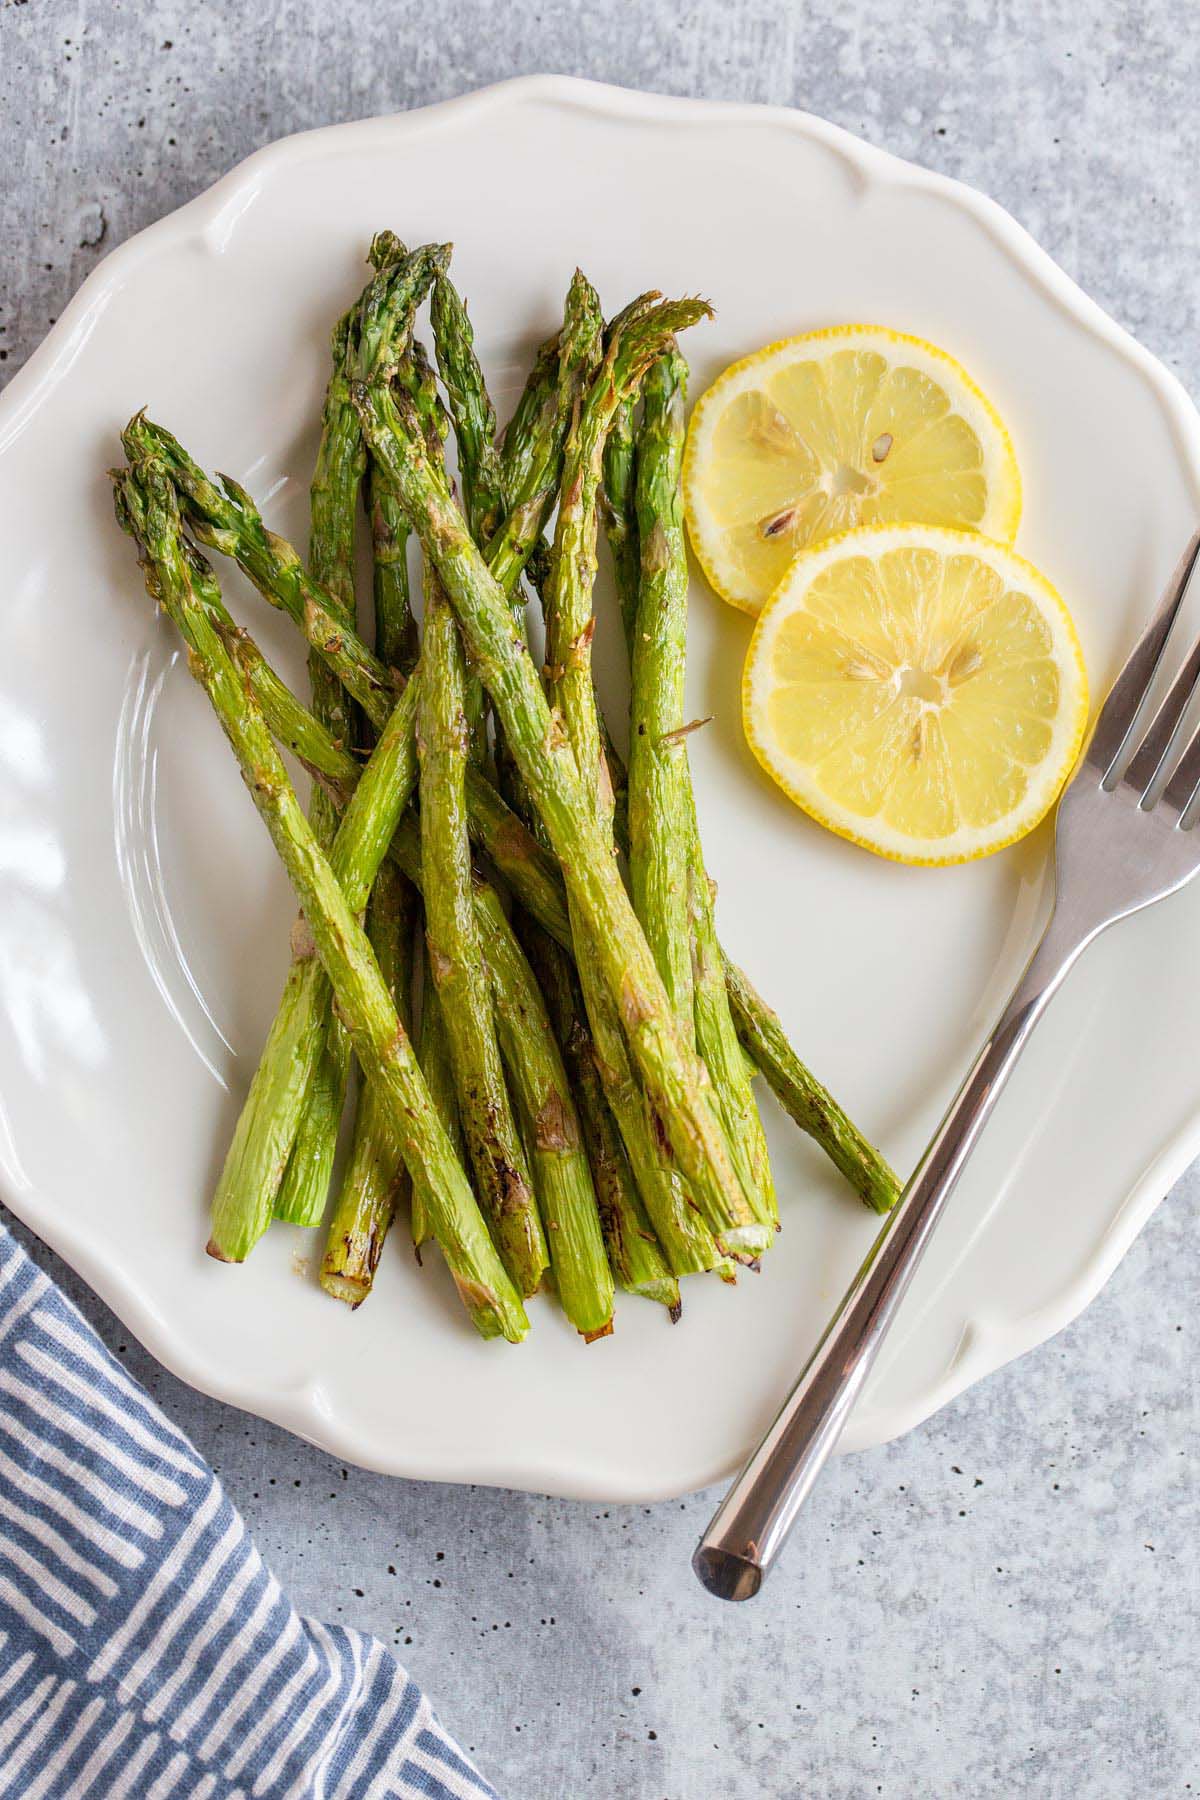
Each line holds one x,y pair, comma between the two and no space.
146,1653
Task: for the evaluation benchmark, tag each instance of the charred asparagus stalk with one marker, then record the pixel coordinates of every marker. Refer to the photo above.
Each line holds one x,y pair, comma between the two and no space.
455,958
671,891
375,1181
433,1054
341,464
633,1247
376,1178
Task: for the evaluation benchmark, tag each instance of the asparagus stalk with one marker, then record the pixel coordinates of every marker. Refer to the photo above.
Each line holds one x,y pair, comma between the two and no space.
375,1177
552,1131
241,1207
538,401
599,902
636,338
671,891
617,510
376,1181
718,1042
812,1106
561,1172
455,959
337,480
262,1141
630,1240
471,409
433,1054
379,1039
395,627
659,782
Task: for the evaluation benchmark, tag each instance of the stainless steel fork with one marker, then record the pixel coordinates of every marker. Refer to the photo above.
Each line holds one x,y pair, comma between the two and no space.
1123,840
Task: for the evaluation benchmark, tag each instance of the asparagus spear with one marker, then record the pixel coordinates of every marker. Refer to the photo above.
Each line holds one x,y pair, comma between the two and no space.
671,891
600,905
337,479
716,1036
375,1180
433,1054
395,627
471,408
266,1128
379,1039
617,511
632,1245
459,976
635,339
375,1177
561,1172
531,454
537,400
812,1106
242,1202
659,782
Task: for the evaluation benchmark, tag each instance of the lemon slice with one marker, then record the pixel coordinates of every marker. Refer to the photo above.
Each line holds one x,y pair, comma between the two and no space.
917,690
853,426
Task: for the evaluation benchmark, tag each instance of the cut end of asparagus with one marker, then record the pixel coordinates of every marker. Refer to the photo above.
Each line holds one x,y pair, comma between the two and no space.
593,1337
492,1316
747,1243
665,1293
213,1249
349,1288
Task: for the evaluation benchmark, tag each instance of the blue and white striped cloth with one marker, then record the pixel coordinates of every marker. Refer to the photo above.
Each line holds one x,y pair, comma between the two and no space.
146,1653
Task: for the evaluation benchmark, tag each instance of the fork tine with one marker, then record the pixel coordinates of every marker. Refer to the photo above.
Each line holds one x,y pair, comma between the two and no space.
1154,748
1125,697
1181,789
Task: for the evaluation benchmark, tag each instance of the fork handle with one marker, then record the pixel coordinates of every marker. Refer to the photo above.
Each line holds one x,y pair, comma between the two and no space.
750,1526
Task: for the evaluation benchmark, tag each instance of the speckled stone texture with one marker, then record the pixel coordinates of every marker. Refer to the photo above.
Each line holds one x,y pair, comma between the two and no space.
1005,1602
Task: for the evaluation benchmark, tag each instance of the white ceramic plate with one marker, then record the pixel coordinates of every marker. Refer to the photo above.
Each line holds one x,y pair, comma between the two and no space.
143,919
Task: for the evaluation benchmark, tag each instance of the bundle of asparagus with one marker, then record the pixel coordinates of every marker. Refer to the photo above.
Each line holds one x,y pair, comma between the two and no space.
580,1110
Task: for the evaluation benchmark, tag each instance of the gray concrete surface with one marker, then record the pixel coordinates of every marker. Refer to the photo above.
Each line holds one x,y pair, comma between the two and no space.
1004,1603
